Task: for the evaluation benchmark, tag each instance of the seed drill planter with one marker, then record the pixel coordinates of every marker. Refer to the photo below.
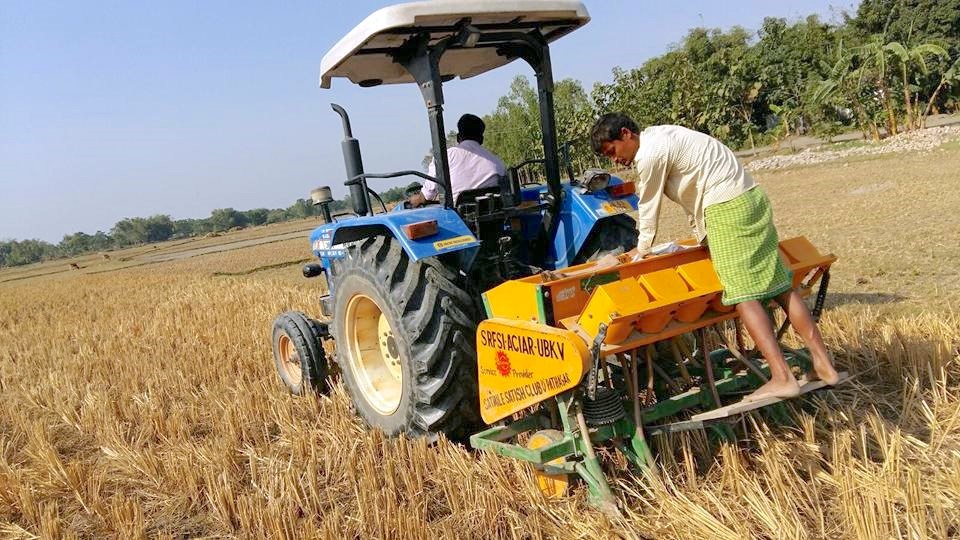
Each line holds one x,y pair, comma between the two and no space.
605,357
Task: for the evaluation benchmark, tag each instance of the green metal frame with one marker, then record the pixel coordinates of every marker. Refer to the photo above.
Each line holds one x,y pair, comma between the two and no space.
577,448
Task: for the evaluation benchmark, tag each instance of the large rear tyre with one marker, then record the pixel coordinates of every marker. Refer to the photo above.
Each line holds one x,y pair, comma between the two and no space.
405,341
611,236
298,353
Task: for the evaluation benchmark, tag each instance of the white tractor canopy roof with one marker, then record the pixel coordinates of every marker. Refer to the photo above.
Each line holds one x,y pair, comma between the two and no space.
366,54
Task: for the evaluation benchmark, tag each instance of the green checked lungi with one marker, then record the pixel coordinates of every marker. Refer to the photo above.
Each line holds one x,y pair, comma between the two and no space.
743,245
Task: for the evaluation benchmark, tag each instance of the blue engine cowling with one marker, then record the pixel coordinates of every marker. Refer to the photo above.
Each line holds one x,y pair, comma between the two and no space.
580,211
579,214
452,234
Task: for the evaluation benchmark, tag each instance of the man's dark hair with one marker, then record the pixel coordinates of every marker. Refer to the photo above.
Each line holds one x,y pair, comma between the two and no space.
608,129
470,127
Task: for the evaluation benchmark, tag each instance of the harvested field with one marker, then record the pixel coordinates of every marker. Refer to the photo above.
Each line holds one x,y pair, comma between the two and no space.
140,399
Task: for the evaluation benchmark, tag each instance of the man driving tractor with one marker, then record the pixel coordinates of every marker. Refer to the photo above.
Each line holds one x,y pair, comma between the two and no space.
471,165
730,213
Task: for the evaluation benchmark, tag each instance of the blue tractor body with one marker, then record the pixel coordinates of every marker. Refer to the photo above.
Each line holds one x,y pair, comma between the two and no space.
580,213
403,287
452,233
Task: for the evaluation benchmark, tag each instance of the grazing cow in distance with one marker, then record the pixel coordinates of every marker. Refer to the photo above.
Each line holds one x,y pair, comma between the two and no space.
74,266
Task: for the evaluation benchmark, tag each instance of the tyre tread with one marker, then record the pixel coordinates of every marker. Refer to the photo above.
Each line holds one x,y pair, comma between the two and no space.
440,318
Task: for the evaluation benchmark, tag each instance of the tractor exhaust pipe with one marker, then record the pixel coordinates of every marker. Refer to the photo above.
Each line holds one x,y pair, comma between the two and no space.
353,163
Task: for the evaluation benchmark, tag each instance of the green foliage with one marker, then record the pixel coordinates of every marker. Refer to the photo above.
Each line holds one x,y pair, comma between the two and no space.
397,194
787,57
909,21
224,219
16,253
513,129
133,231
709,83
787,60
889,64
300,209
574,115
276,216
80,242
257,216
159,228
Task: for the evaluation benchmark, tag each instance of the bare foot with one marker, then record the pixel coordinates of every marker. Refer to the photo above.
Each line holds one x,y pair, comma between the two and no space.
823,370
777,389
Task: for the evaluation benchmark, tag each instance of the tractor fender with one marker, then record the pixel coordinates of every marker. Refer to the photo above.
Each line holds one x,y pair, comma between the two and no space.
329,241
580,212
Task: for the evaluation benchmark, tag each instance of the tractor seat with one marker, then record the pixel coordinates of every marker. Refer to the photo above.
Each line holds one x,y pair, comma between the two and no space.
471,195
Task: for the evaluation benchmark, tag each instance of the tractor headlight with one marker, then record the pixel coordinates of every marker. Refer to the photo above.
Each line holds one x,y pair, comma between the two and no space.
595,179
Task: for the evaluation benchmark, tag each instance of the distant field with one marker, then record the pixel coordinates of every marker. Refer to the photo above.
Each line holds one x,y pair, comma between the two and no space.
139,398
110,261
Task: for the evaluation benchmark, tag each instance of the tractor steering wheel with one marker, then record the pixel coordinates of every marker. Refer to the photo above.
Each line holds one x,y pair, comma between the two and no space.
413,190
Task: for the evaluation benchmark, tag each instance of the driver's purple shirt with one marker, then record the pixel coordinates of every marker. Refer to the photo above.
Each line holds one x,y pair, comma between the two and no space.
471,167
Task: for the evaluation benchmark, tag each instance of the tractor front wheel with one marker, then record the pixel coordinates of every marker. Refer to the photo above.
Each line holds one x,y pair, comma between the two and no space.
298,353
405,341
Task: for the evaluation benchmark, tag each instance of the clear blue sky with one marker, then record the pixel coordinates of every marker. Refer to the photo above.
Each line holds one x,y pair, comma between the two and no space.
122,109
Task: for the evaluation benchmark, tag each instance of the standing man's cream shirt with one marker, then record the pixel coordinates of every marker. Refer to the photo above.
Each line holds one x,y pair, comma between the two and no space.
693,169
471,167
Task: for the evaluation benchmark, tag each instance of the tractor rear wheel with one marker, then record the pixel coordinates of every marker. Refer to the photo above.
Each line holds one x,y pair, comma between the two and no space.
405,341
298,353
611,236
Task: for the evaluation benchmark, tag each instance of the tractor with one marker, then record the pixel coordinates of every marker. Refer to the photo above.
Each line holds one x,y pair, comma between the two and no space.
488,318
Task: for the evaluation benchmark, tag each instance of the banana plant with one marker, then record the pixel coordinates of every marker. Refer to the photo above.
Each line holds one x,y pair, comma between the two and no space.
950,76
874,55
842,88
915,55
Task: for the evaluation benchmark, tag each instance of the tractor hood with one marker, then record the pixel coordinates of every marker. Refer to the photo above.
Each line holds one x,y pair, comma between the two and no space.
366,55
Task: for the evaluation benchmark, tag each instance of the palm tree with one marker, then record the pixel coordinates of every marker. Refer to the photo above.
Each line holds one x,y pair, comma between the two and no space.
906,57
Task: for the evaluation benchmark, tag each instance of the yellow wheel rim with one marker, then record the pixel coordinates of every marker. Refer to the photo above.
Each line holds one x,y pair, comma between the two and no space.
552,486
373,354
289,359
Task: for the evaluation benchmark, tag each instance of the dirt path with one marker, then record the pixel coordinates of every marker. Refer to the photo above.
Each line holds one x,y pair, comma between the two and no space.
187,253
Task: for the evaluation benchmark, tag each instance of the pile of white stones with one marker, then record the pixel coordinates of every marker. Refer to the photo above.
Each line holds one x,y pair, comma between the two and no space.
911,141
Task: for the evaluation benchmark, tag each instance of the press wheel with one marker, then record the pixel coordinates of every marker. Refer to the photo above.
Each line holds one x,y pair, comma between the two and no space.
553,486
